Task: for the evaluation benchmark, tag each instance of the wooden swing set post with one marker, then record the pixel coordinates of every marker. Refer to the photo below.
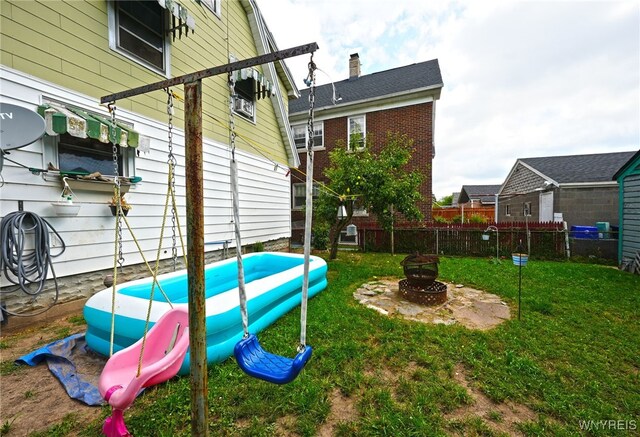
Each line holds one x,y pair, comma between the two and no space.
195,213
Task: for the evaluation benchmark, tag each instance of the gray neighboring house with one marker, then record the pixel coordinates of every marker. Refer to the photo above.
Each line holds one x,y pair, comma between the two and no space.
478,195
577,189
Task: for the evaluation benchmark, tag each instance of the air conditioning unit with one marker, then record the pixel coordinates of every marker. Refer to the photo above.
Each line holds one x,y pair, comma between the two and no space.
243,106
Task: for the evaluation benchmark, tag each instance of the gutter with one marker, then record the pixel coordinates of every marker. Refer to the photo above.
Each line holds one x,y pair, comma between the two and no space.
368,102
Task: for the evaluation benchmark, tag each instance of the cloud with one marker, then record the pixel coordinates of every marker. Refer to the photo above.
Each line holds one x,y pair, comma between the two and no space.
522,78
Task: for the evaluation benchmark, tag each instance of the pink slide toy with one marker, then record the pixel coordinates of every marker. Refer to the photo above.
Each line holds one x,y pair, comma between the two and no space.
164,350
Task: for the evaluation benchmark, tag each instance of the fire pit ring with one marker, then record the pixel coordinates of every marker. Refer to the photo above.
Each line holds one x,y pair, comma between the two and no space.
433,294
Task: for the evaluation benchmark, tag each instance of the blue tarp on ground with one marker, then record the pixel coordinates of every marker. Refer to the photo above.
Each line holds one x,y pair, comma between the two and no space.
61,357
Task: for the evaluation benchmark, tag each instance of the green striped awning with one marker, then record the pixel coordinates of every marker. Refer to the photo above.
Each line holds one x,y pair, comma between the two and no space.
61,119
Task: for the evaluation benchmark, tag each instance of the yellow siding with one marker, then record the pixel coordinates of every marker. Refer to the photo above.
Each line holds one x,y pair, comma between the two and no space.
67,43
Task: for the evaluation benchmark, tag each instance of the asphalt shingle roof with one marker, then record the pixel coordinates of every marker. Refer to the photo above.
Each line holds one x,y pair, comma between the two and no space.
598,167
486,193
383,83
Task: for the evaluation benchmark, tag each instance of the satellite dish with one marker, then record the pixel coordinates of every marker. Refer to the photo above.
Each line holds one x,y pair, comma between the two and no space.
19,126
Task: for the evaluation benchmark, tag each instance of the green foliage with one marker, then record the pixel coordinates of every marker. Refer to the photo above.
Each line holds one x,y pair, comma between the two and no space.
446,200
6,426
258,246
9,367
77,320
477,219
377,181
321,236
440,219
456,219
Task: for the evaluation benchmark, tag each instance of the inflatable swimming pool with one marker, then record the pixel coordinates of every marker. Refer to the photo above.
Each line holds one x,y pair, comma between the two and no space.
273,286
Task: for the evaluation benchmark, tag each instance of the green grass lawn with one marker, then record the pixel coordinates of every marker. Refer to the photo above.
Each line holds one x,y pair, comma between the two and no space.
574,356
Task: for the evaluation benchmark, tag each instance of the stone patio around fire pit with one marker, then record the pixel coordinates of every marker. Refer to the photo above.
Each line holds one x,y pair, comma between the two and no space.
469,307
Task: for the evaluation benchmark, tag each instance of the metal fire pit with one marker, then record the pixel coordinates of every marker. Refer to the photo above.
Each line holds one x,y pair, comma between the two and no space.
420,270
421,286
433,294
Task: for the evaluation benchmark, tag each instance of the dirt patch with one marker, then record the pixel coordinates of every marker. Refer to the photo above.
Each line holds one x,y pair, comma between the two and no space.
343,409
502,418
285,426
32,399
474,309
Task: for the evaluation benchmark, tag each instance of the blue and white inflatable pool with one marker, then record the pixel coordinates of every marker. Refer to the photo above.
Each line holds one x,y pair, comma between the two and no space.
273,286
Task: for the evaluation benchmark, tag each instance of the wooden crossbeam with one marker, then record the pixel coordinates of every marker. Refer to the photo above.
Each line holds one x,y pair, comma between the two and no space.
213,71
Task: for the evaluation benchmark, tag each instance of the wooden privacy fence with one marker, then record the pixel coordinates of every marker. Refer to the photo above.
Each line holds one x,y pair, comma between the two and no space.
449,214
541,240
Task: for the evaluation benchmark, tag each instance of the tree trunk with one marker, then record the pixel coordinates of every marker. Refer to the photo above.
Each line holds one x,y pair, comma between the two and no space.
333,254
335,237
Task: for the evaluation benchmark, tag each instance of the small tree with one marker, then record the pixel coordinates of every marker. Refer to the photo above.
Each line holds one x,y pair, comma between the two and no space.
446,200
376,181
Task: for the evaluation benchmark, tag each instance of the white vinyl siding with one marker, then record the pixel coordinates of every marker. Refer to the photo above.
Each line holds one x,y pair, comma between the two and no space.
265,212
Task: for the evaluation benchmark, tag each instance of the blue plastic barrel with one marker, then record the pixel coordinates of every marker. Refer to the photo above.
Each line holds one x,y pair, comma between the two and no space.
584,232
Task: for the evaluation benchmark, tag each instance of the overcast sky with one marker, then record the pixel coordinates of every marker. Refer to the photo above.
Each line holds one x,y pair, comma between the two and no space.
521,78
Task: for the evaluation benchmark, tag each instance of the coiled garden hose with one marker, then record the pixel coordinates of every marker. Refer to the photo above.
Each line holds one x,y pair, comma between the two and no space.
25,256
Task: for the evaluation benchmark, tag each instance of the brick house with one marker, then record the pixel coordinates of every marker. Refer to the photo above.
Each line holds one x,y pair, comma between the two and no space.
577,189
400,100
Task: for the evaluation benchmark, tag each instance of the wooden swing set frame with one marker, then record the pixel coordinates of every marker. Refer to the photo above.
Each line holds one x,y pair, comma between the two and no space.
195,211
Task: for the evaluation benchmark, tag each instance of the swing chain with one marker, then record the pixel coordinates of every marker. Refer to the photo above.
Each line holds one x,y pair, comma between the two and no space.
232,124
112,110
116,181
312,100
171,160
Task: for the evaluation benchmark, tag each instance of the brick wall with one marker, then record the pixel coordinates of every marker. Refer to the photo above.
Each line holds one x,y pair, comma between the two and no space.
415,121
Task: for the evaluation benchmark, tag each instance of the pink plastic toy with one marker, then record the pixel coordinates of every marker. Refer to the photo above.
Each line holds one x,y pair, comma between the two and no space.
165,347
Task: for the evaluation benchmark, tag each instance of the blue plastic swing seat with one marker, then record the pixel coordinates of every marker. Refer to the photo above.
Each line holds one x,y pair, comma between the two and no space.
258,363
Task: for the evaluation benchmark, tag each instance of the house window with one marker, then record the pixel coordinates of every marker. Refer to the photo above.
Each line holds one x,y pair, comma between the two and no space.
300,136
299,195
213,5
137,30
356,133
526,209
507,210
86,155
351,240
244,100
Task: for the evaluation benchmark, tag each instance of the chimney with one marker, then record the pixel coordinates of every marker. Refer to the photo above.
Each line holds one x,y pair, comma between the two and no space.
354,66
